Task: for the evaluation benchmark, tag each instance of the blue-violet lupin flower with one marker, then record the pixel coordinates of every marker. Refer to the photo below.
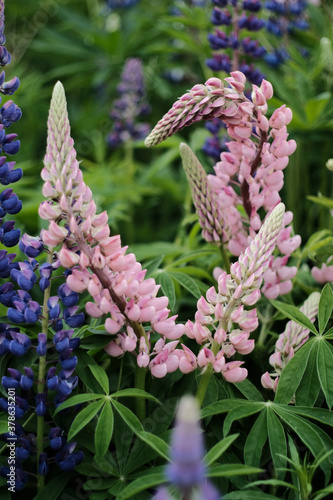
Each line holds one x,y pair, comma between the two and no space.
187,470
233,52
285,17
9,113
130,106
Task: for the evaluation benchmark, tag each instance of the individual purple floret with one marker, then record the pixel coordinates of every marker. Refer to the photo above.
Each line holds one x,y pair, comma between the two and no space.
24,310
130,106
187,470
67,459
43,467
31,246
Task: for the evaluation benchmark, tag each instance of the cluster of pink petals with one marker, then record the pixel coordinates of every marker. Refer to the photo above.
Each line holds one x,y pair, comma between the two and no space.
222,323
100,265
249,174
324,274
293,337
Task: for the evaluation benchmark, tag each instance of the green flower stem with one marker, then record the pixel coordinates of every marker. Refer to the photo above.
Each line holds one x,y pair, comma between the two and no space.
205,378
41,378
130,173
140,403
225,258
266,320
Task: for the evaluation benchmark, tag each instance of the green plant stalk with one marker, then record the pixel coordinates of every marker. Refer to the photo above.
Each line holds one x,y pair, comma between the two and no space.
140,403
205,377
225,258
130,172
41,378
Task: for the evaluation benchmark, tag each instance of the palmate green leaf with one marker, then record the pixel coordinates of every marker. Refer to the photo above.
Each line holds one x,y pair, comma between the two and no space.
53,489
249,390
292,374
99,483
153,265
168,288
309,387
325,307
295,314
329,334
79,398
137,393
128,416
187,282
321,414
100,376
104,430
222,406
309,435
156,443
256,440
147,480
84,417
277,443
227,470
217,450
241,412
325,370
86,376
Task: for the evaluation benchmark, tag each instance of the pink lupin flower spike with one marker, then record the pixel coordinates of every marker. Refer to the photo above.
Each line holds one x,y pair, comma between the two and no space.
258,153
116,281
222,309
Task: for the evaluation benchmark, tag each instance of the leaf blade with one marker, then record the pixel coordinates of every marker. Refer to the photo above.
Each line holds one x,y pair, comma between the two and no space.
84,417
294,314
104,430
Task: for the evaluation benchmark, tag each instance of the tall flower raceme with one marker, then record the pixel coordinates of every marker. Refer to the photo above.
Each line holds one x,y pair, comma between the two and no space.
249,175
293,337
9,145
233,52
187,471
114,279
285,16
222,322
130,106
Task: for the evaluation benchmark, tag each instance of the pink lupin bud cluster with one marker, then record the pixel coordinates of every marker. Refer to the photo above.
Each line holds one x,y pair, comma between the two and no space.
249,174
324,274
100,265
293,337
222,323
204,198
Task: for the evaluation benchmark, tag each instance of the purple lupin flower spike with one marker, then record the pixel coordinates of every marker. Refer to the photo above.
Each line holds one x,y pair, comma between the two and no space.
130,106
187,471
9,113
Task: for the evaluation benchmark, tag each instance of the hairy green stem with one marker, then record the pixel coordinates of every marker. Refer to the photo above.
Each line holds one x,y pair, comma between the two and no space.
205,377
225,258
140,403
41,379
